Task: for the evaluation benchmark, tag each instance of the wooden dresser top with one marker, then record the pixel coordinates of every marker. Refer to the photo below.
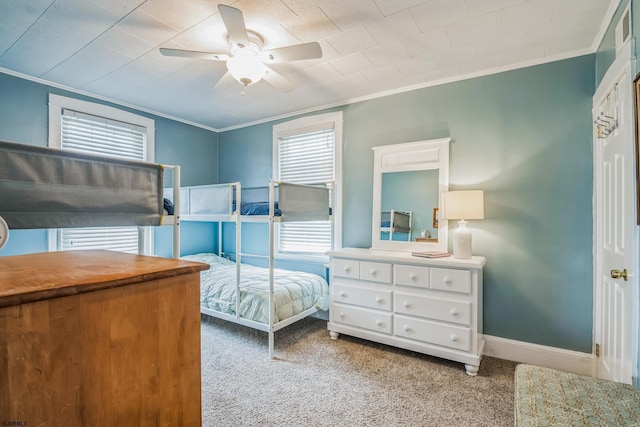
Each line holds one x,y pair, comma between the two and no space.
35,277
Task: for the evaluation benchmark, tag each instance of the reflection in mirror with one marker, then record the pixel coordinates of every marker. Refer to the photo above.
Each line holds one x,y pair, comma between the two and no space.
408,199
409,179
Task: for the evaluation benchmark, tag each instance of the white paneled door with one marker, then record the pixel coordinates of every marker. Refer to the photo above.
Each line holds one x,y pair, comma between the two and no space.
615,296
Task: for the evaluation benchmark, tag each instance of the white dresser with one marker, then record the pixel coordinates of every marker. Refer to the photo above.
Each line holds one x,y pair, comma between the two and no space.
432,306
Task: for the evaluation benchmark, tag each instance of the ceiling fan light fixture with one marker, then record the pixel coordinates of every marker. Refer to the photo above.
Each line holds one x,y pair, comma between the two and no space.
247,69
245,64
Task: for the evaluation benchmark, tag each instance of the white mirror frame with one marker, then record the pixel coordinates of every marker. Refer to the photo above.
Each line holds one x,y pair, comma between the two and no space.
410,156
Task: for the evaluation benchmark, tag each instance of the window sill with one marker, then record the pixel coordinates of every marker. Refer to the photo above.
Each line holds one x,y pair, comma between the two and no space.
319,259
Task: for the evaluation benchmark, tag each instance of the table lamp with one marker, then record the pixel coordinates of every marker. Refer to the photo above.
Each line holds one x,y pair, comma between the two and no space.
463,205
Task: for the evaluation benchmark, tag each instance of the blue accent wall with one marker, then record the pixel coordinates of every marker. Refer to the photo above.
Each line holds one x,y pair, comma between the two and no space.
524,137
24,112
25,242
195,237
245,155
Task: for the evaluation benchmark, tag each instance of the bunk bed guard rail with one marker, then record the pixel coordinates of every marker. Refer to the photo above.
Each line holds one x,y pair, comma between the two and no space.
302,202
43,187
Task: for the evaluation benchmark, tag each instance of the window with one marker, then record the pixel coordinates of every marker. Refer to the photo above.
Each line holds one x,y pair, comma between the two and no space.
307,151
84,126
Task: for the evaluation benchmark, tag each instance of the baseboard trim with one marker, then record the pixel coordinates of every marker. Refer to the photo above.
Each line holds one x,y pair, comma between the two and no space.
540,355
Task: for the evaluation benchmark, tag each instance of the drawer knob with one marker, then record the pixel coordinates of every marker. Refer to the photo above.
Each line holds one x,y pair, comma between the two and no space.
447,280
374,273
406,328
343,294
413,277
454,338
406,304
341,314
379,322
347,269
379,300
454,312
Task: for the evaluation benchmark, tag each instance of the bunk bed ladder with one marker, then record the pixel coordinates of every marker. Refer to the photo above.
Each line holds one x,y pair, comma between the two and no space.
271,265
238,243
176,211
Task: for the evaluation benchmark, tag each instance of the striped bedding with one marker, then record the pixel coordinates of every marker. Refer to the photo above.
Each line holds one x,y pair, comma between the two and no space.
295,291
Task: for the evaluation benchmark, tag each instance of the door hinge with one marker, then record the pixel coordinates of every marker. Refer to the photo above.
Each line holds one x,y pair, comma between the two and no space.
597,350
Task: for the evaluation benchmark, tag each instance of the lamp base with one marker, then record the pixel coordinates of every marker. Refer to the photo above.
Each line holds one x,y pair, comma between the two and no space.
462,241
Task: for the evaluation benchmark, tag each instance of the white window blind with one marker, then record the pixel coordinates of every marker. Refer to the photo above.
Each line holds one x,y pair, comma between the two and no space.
93,134
306,158
124,239
99,135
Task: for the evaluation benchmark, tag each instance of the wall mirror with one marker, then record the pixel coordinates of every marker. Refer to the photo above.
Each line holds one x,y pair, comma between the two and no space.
408,182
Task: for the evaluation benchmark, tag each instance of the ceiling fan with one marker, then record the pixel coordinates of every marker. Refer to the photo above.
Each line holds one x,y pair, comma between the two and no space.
246,61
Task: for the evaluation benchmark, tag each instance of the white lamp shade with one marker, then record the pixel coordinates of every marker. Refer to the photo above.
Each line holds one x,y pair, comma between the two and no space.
463,205
247,69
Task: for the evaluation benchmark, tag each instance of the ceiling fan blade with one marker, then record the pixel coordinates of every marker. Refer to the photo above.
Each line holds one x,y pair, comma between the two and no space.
292,53
278,81
194,54
234,22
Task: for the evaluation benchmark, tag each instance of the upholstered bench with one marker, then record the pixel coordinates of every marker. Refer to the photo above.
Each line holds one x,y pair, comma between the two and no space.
547,397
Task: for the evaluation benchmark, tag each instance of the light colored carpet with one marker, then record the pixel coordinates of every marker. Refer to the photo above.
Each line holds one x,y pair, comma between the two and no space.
316,381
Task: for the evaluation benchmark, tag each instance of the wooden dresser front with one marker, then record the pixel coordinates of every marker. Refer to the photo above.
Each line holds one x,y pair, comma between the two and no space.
99,338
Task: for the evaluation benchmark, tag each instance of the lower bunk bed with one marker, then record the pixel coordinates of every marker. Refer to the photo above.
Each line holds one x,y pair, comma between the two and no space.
296,294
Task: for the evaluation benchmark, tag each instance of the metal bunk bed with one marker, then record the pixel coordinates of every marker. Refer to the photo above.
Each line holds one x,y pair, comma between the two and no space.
224,203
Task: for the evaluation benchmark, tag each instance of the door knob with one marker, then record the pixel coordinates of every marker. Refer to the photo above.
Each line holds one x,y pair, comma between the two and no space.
617,274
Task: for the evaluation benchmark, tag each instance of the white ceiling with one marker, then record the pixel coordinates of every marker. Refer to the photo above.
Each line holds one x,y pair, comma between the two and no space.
109,48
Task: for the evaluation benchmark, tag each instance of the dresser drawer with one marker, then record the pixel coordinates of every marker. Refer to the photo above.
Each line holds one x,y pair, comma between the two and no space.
346,268
433,308
446,279
372,298
411,275
433,332
378,321
375,271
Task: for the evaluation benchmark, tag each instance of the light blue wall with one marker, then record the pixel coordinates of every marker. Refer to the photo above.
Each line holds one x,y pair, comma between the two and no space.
195,237
24,119
524,137
245,155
